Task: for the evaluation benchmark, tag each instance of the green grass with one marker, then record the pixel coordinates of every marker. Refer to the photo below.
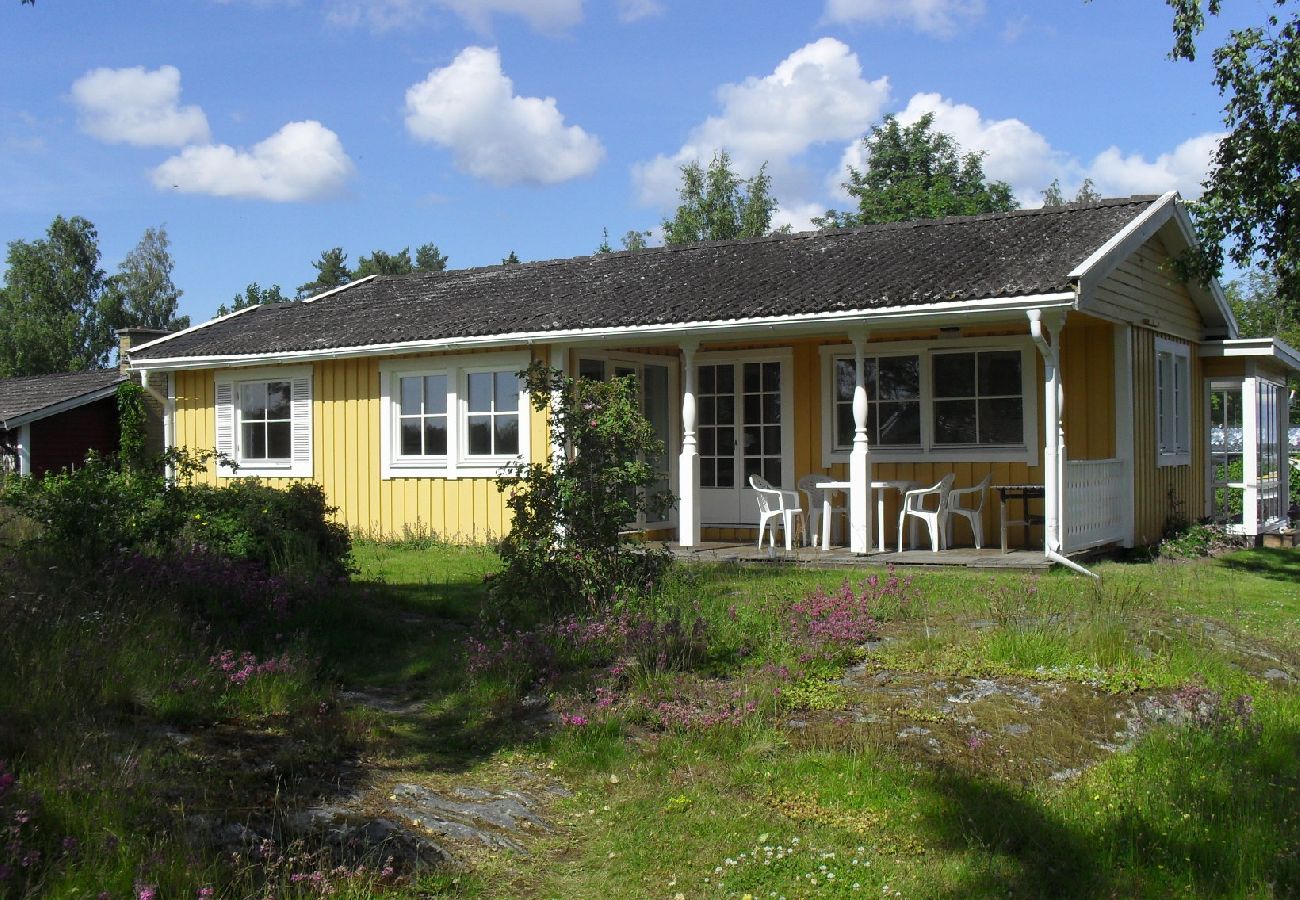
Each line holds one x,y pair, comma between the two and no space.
754,805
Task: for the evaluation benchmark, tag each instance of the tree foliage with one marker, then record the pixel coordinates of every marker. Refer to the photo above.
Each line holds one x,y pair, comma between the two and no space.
53,314
567,545
511,260
429,259
717,204
1261,314
142,293
1054,196
331,272
253,295
914,172
1250,209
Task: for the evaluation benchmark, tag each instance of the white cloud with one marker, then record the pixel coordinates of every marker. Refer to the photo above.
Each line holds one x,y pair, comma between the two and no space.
384,15
1013,152
635,10
136,106
815,95
1182,169
938,17
301,161
470,108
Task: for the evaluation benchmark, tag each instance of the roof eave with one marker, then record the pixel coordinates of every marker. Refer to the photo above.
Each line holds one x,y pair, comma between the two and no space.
1270,348
54,409
804,323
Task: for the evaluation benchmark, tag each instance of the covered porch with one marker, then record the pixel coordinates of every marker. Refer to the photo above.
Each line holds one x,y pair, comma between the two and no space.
872,411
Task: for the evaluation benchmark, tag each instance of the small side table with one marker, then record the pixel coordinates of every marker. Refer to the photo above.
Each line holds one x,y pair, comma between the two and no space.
1024,493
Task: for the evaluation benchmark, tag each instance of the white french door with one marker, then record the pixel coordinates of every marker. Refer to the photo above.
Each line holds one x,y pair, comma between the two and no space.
743,408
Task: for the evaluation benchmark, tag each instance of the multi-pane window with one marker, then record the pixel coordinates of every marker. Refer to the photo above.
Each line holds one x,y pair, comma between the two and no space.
716,431
977,398
492,420
422,415
761,396
893,385
1173,403
265,420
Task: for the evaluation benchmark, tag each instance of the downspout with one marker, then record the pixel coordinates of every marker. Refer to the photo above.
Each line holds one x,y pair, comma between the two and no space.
1053,455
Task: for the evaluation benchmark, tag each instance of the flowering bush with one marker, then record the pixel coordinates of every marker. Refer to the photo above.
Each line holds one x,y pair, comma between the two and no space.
239,668
842,618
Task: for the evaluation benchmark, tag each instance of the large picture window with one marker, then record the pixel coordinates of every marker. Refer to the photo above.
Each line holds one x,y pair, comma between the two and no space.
452,416
893,401
977,398
935,401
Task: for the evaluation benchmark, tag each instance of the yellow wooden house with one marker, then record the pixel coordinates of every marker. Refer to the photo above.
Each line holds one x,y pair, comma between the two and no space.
1052,348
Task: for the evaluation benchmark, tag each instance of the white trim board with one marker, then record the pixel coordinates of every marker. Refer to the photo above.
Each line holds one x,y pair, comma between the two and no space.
960,311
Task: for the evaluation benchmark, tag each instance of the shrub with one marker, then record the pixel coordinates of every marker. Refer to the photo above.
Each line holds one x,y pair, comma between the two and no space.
567,545
1200,539
101,511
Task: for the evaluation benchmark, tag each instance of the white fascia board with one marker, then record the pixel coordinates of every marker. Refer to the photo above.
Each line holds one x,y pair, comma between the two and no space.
1253,348
1109,255
338,290
62,406
193,328
956,312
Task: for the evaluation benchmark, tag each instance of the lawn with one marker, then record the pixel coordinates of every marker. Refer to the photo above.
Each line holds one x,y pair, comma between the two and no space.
986,736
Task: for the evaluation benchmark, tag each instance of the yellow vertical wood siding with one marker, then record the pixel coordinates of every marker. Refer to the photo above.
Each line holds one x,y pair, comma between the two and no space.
1088,380
346,458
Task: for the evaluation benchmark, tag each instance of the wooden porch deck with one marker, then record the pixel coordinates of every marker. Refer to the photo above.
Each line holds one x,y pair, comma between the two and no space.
840,557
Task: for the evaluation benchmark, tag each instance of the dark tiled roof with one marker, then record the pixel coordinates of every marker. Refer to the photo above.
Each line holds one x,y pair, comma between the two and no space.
32,393
911,263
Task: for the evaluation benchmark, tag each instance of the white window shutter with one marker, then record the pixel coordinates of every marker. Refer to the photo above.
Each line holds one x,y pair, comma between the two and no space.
225,423
301,415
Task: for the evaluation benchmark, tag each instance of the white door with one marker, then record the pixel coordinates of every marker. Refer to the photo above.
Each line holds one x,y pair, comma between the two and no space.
743,429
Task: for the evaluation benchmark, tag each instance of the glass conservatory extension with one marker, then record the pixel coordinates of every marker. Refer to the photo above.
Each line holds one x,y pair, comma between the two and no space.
1248,460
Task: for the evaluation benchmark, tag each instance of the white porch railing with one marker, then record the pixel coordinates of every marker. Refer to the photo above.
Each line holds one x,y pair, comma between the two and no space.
1094,494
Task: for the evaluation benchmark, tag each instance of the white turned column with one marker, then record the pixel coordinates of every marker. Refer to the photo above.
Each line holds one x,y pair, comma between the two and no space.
688,469
859,463
1053,433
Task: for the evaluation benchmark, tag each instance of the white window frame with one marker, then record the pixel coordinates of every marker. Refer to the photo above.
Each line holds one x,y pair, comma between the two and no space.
457,463
1173,407
229,427
927,451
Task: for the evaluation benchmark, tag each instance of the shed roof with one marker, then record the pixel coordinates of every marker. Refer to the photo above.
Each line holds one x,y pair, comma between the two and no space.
32,397
1008,255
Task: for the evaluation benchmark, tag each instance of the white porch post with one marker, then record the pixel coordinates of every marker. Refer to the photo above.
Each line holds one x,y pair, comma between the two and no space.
25,450
859,463
1053,433
1250,456
688,469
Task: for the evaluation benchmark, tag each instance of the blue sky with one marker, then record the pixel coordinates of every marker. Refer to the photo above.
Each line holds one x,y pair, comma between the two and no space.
261,132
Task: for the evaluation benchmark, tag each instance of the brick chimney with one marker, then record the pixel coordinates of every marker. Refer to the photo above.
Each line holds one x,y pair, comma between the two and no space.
133,337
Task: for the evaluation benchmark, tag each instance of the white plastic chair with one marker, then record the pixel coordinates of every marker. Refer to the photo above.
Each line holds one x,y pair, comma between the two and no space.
973,514
774,505
807,486
914,504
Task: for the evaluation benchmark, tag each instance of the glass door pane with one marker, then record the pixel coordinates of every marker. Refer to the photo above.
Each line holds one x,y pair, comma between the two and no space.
1227,443
716,428
761,402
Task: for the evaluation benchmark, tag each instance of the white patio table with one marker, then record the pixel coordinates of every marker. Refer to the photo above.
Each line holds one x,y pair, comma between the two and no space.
828,488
